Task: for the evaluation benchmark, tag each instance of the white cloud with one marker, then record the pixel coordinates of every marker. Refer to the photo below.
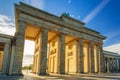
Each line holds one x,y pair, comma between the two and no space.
93,13
6,25
7,30
28,52
27,60
113,48
29,47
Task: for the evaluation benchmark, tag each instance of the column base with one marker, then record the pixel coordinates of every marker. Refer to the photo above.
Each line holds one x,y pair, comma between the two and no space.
16,74
61,73
43,74
91,72
3,75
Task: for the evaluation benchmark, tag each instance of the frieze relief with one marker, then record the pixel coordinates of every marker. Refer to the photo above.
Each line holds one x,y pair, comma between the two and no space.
70,46
53,44
53,51
70,53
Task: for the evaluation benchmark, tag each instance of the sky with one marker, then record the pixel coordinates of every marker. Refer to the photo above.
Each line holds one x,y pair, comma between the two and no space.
100,15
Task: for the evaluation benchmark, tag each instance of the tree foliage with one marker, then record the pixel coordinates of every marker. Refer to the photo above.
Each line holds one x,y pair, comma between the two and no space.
27,67
66,14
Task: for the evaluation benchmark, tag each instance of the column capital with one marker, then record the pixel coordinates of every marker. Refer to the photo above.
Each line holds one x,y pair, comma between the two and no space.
92,42
44,29
80,42
82,39
21,27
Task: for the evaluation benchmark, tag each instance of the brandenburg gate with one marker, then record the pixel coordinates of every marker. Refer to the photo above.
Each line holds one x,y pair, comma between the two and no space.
63,45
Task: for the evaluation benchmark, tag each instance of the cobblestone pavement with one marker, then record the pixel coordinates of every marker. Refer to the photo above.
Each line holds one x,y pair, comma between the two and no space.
29,76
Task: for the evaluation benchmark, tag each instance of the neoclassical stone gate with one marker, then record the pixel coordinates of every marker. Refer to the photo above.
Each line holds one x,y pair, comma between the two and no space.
112,62
5,53
73,48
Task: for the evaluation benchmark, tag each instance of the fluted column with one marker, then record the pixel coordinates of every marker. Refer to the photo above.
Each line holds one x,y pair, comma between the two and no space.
5,59
12,57
108,65
42,64
61,55
101,59
97,57
91,67
19,48
49,60
112,64
116,65
80,68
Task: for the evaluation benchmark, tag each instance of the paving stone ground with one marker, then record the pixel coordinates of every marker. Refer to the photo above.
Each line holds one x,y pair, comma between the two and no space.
30,76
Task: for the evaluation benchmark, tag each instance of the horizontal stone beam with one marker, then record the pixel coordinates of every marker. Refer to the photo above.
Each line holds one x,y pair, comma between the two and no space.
54,19
55,27
4,40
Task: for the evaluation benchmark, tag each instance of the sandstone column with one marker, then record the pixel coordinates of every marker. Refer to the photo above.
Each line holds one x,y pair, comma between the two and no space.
91,57
80,68
5,59
61,55
97,56
42,64
12,57
101,60
19,48
49,69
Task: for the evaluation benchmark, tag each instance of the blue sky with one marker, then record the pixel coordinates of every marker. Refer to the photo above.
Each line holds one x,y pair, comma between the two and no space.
100,15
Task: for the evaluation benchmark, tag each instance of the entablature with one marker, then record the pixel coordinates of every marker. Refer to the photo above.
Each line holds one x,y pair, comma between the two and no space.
37,13
111,54
5,38
57,28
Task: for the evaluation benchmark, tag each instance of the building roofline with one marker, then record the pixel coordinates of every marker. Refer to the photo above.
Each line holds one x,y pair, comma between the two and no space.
72,19
5,35
111,53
